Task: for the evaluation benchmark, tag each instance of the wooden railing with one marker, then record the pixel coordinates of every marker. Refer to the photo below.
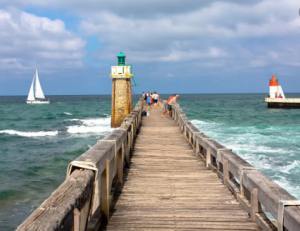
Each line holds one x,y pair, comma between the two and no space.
84,198
250,186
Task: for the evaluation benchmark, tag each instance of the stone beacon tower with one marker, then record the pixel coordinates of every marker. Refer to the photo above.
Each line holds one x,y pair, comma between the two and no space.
121,97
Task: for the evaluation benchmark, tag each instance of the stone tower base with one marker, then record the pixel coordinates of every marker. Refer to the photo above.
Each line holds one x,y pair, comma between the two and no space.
121,101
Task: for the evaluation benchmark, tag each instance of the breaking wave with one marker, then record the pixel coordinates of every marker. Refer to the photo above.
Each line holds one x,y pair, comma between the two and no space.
273,149
94,125
30,134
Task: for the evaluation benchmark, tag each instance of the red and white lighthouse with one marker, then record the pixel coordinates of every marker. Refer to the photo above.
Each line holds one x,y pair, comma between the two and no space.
275,91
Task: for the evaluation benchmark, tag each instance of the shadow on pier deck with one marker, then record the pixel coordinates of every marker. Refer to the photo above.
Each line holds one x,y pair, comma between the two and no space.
169,188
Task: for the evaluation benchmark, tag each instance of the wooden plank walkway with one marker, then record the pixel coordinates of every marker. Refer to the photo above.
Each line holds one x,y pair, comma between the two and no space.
169,188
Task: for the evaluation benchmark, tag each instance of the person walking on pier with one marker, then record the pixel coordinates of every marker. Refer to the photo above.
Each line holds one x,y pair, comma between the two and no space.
145,98
155,96
170,103
166,106
149,101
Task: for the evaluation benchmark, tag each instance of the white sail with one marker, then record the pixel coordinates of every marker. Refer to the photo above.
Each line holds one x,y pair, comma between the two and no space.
31,95
38,89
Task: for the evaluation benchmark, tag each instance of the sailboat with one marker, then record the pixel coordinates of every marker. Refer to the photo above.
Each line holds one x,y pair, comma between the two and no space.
36,96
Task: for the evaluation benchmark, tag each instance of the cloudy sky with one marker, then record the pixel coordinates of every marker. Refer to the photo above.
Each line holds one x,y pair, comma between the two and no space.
179,46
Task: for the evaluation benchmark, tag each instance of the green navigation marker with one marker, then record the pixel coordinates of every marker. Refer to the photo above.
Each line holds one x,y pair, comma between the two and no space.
121,59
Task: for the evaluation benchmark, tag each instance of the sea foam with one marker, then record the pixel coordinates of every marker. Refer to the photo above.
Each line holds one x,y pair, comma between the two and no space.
30,134
263,147
293,166
288,185
93,125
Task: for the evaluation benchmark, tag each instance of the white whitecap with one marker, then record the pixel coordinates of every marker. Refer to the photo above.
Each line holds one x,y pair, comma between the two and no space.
201,122
30,134
286,169
93,125
82,129
96,122
67,113
72,120
288,186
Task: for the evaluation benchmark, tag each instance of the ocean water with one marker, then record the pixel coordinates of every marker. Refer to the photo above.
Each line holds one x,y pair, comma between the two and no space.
269,139
37,142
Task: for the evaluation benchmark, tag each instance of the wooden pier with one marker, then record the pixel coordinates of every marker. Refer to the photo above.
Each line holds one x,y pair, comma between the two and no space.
169,188
156,173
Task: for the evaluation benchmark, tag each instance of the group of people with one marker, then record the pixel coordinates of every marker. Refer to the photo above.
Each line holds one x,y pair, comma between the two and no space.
276,96
151,99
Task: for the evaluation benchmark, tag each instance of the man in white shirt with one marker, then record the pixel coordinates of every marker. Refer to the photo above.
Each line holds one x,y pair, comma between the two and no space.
155,97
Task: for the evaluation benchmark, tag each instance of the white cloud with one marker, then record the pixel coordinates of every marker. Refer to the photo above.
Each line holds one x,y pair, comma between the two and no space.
214,30
177,55
228,34
29,41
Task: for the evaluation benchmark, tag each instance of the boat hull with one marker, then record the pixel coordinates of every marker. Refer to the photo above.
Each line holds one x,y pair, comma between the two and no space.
37,102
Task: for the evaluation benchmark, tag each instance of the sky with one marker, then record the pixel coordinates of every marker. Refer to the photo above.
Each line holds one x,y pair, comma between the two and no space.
177,46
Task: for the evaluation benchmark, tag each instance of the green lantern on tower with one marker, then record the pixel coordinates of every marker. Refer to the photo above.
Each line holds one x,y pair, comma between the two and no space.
121,59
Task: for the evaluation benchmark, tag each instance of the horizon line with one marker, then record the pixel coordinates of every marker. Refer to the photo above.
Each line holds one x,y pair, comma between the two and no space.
160,93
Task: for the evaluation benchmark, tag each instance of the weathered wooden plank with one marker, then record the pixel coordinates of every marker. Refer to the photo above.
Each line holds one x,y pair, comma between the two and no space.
168,188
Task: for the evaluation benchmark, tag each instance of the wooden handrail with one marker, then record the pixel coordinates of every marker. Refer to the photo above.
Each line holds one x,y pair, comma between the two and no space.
57,212
83,199
257,188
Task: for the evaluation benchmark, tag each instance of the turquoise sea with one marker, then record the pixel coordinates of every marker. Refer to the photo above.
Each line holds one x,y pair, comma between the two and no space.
37,142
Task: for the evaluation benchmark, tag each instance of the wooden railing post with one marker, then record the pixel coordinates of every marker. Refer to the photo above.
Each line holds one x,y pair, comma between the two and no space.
197,148
190,138
112,165
131,139
181,124
104,196
255,204
128,148
134,127
208,157
225,172
120,158
81,217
